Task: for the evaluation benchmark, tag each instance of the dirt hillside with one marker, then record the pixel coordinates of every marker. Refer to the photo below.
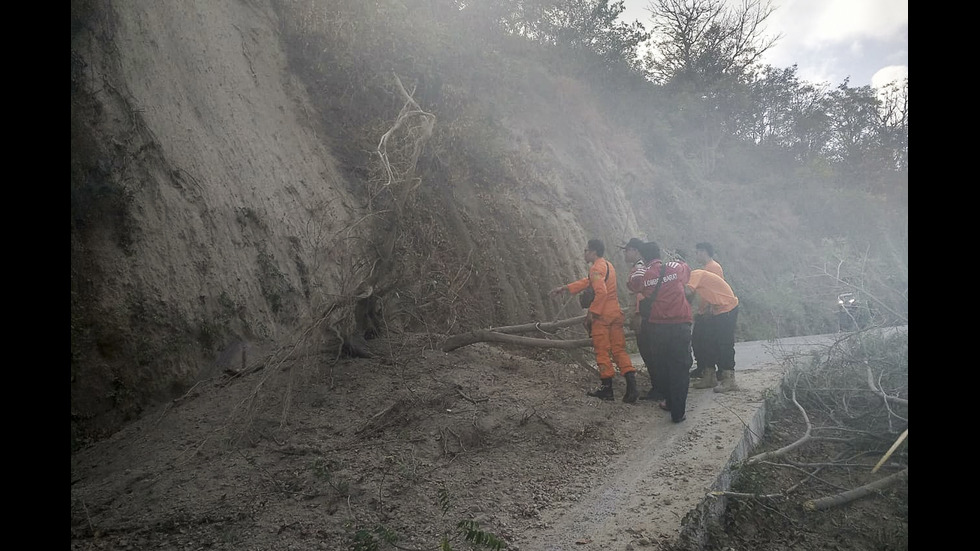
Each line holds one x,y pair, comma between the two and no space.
208,215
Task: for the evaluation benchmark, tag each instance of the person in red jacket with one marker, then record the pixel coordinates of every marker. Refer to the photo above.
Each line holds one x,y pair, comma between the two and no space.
666,325
604,322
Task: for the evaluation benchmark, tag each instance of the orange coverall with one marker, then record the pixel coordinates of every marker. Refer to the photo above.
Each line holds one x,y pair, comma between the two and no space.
608,338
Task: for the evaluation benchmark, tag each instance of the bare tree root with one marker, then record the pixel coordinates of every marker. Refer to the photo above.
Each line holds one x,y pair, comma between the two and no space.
418,135
856,493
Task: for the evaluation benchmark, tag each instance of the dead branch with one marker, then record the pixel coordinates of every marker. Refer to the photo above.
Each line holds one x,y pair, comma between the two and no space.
856,493
786,449
887,397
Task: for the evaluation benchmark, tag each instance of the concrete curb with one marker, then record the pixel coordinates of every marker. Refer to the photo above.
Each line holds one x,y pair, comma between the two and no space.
694,531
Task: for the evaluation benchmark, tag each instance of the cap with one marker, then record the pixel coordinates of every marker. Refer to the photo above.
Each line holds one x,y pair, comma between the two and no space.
633,243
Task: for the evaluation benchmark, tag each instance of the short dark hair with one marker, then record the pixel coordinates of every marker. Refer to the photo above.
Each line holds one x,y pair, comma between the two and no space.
650,251
597,246
706,247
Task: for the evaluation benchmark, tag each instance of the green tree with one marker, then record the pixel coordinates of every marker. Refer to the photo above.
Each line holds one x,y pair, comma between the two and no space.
589,27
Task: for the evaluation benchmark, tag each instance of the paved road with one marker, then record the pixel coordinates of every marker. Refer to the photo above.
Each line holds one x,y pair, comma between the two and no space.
668,470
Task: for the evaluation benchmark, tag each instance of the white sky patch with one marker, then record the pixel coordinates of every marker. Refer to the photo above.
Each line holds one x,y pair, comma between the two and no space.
828,40
892,73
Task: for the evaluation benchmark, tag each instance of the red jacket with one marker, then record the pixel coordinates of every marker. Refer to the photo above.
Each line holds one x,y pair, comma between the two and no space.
670,305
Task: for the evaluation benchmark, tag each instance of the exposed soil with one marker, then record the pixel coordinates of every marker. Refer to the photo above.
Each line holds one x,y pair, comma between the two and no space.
770,524
314,452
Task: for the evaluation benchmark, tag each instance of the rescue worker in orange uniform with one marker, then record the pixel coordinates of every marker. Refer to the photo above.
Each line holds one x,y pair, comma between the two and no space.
604,321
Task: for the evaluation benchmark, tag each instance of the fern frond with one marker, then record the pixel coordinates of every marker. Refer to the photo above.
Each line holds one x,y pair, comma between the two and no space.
444,501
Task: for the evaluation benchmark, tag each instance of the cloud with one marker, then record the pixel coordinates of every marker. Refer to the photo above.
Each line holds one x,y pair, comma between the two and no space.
813,23
887,75
832,40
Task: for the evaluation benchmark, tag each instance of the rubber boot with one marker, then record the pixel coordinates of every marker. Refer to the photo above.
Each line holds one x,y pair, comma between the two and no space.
631,392
727,383
605,391
708,380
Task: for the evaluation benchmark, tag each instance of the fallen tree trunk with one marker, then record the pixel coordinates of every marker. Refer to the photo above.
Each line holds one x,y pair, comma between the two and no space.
505,334
452,343
857,493
547,327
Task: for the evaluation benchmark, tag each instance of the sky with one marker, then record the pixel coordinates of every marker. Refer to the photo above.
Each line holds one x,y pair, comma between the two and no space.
866,41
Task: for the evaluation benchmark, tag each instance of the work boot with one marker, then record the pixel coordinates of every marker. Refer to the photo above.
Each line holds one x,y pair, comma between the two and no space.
605,391
708,380
697,372
631,393
727,383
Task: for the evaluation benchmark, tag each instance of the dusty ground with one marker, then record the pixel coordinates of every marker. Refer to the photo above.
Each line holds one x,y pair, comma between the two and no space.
308,453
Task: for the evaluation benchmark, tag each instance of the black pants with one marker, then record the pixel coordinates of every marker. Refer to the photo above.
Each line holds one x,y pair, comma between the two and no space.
698,343
643,343
718,334
669,351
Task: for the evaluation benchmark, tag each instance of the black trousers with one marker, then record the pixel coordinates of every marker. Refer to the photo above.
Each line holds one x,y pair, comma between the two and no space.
657,384
669,352
718,347
698,343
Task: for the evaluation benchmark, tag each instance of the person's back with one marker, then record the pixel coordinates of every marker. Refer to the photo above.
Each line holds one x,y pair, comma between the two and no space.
714,292
670,305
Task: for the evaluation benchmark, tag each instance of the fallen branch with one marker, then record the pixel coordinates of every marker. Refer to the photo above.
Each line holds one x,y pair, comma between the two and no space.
857,493
877,389
452,343
786,449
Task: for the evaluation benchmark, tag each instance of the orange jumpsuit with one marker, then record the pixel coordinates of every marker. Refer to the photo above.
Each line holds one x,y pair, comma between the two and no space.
608,338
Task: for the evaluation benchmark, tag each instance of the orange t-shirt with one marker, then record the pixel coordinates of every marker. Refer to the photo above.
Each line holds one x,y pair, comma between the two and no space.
713,291
715,268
